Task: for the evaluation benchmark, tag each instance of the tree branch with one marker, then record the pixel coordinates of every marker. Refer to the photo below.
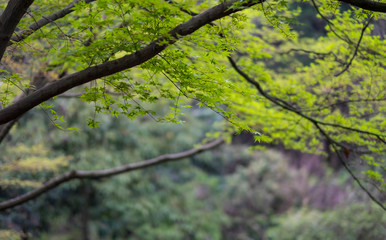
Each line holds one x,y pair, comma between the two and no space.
316,123
9,19
23,34
356,179
76,174
288,106
356,49
331,25
4,129
367,5
70,81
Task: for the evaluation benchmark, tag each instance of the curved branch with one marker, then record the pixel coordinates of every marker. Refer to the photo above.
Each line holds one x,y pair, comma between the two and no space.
334,145
23,34
356,179
315,122
331,25
70,81
367,5
76,174
356,49
288,106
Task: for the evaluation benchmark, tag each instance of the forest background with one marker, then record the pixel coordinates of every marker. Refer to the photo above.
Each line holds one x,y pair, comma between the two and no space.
295,89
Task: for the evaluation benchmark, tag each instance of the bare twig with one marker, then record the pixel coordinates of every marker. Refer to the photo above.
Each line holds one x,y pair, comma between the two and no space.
356,49
288,106
357,180
331,25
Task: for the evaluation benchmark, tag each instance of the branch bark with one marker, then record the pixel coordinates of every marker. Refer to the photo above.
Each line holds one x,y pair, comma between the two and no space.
367,5
76,174
9,19
70,81
23,34
4,129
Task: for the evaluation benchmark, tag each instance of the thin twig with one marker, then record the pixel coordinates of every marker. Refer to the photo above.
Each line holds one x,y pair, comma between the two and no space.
356,179
331,25
356,49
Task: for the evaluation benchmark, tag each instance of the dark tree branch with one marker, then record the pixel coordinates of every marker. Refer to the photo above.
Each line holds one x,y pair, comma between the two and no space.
335,144
375,5
289,107
315,122
9,19
70,81
356,49
331,25
4,129
23,34
356,179
77,174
